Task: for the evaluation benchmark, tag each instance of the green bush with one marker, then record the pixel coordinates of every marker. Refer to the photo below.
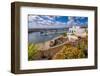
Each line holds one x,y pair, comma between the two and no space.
64,34
69,52
32,51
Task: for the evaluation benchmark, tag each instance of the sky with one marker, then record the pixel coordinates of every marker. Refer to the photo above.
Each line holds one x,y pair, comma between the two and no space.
47,21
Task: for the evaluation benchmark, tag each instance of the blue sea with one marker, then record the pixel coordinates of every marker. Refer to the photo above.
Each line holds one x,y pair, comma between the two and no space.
38,37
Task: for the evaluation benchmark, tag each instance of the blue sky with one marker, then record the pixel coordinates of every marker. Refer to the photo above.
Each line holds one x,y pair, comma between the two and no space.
42,21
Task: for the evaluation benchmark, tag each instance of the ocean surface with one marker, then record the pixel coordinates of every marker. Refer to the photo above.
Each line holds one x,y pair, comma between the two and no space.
38,37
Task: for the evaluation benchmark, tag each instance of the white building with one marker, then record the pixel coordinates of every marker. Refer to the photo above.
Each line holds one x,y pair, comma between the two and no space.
77,30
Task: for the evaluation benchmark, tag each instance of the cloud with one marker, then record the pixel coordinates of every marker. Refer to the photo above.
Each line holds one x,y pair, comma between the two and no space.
44,22
31,17
50,17
71,21
77,21
70,18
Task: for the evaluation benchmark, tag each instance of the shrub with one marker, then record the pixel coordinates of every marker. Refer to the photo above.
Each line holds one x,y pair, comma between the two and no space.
64,34
32,51
69,52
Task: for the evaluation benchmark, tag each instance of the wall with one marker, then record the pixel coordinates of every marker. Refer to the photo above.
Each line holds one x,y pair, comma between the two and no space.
5,33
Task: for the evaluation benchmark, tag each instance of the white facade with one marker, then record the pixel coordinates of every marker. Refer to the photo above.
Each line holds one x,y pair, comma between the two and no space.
76,30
